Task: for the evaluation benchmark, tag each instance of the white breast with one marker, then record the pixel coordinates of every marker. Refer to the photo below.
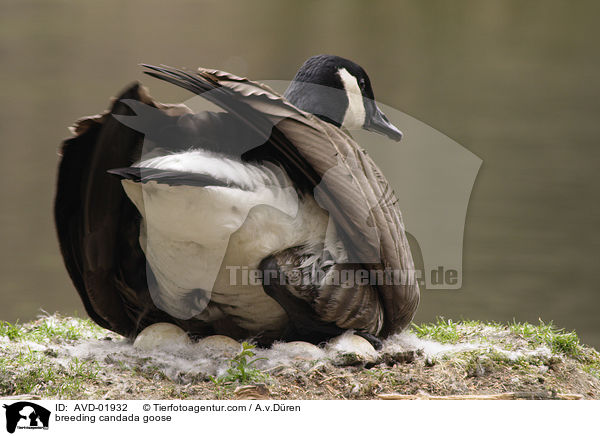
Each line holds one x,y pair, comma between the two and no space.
193,237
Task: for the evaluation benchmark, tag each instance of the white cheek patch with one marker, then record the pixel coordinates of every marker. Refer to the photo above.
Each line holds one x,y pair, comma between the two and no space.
354,118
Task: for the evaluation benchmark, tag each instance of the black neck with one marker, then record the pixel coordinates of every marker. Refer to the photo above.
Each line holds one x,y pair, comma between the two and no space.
326,102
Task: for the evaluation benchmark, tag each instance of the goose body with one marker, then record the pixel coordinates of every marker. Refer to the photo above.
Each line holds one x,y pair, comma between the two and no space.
219,227
165,215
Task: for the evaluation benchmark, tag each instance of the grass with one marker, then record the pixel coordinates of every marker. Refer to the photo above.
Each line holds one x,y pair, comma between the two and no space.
241,368
11,331
556,339
593,368
26,369
53,328
31,371
443,331
386,377
517,346
56,329
487,357
447,331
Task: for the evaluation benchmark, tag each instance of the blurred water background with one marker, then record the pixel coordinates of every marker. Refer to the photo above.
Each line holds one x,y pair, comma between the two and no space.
517,83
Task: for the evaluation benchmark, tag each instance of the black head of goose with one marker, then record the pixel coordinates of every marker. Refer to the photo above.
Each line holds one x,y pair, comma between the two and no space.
254,221
354,108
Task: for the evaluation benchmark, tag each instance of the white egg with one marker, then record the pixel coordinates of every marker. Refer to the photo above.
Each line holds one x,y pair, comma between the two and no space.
219,344
160,335
349,343
299,350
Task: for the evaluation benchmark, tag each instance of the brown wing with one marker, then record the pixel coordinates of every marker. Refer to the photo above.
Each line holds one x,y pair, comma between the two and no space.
98,227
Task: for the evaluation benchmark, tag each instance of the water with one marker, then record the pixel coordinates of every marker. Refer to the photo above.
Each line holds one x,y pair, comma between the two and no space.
514,82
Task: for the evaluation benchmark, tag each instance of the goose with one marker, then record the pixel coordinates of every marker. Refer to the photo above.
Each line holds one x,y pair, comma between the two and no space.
263,219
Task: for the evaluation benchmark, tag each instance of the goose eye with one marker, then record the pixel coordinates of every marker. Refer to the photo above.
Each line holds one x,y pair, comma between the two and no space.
361,83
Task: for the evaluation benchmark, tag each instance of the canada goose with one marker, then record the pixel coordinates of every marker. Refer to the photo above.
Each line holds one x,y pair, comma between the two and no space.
158,209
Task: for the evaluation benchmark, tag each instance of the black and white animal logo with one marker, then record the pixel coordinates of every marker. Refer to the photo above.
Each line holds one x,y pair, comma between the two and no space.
26,415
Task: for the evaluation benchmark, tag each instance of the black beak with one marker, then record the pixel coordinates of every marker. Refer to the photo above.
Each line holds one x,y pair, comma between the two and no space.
379,123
